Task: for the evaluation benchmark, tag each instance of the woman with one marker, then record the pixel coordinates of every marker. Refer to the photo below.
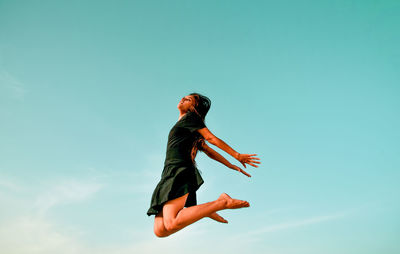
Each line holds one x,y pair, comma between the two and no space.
180,178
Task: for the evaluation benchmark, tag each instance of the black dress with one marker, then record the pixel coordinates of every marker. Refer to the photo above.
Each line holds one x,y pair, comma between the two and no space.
180,175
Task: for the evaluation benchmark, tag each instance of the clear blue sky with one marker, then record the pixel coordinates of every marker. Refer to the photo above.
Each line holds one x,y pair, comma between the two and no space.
88,94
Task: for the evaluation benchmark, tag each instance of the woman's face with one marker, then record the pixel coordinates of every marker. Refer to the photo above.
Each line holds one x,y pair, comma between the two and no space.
186,103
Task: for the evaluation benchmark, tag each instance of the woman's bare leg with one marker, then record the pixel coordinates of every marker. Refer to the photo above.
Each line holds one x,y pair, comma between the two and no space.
215,216
175,217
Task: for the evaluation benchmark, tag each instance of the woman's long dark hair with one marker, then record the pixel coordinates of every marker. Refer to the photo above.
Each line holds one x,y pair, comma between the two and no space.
201,106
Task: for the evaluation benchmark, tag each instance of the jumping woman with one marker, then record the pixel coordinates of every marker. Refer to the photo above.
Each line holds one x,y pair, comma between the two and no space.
181,179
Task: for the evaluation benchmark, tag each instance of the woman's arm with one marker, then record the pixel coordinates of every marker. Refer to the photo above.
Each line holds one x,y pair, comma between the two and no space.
218,157
243,158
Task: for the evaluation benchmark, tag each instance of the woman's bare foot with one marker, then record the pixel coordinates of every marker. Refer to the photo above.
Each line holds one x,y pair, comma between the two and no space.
231,203
217,217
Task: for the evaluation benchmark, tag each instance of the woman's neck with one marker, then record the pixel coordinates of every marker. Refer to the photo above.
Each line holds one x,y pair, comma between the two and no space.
182,114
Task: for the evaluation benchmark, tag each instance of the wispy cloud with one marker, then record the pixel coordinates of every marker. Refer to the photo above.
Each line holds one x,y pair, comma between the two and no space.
8,185
66,192
141,180
24,226
29,234
12,85
296,224
29,228
32,234
255,235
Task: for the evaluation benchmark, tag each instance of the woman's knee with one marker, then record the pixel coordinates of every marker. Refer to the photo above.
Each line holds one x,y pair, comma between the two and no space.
170,224
159,228
161,232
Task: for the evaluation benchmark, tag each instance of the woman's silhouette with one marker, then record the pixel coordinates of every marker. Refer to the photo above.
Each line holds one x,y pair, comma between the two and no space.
180,178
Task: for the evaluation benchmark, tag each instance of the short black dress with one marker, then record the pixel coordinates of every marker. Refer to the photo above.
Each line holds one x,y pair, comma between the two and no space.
180,175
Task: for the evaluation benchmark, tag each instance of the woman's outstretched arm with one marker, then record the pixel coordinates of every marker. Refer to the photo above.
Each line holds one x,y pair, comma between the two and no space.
243,158
218,157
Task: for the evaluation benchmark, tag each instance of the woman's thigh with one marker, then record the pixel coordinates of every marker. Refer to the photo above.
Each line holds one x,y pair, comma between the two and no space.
172,207
167,215
159,228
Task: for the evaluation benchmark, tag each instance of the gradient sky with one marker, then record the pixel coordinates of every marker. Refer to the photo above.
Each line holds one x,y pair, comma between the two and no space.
88,94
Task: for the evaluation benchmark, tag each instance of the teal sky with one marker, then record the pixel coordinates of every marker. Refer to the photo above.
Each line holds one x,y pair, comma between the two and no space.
88,94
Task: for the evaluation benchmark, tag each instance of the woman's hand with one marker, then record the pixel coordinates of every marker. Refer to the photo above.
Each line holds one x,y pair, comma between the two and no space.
234,167
249,159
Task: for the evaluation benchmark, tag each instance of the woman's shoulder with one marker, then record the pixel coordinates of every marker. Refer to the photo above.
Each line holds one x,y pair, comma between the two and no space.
193,117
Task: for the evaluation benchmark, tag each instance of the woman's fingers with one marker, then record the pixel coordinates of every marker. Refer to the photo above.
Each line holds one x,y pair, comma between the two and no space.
253,165
249,156
250,159
254,161
245,173
241,170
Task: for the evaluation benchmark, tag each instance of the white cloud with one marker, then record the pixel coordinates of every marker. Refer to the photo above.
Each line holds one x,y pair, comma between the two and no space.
37,235
295,224
30,228
8,185
32,232
24,226
29,234
253,235
66,192
141,180
12,85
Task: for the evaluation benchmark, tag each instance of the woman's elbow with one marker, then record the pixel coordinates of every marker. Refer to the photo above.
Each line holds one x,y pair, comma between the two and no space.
212,140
